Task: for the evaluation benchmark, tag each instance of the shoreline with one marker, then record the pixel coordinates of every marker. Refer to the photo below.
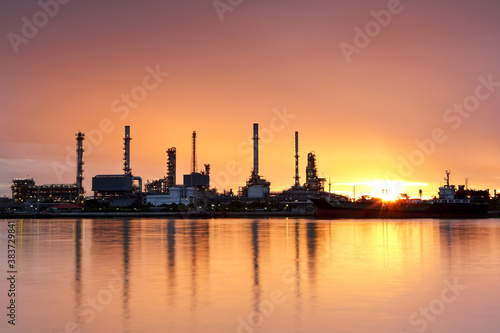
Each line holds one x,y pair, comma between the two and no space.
171,215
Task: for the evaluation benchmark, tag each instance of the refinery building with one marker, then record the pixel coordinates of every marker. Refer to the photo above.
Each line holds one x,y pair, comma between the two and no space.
25,191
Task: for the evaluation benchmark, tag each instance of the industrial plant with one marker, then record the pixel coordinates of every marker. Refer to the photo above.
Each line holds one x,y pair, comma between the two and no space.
119,190
256,187
126,190
25,191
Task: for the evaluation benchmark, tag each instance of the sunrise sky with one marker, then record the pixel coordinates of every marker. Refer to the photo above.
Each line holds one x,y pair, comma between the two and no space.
380,104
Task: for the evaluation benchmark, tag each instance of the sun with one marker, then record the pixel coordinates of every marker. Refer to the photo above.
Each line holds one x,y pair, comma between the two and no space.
390,190
385,191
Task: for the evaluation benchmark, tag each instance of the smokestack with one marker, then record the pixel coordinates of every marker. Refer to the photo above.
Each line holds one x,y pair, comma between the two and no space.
126,148
207,169
79,166
297,182
193,158
171,167
256,149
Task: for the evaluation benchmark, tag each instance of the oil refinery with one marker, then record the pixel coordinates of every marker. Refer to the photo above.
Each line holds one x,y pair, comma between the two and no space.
127,190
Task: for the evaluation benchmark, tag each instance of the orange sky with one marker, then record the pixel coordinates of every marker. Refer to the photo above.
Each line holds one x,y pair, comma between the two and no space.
359,117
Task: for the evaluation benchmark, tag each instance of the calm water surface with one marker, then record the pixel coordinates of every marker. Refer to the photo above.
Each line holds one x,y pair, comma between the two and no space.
238,275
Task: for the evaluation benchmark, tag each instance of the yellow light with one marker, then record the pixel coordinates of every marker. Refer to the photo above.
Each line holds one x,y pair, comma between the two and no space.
387,190
390,190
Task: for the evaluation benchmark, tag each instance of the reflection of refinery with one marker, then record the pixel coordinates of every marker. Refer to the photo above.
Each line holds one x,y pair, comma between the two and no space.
126,190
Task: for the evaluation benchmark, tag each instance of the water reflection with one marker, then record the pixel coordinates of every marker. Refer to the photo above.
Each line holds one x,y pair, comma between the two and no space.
298,279
210,276
171,253
200,248
126,270
78,271
256,274
312,242
467,244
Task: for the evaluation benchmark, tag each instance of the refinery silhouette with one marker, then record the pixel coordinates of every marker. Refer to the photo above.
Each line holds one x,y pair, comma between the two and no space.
126,190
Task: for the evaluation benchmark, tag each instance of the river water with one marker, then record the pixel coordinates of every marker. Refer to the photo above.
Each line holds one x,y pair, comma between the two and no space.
244,275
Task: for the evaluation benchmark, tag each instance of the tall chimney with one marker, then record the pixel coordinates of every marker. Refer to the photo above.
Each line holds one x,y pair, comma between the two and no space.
297,181
79,166
256,149
171,167
126,148
207,169
193,158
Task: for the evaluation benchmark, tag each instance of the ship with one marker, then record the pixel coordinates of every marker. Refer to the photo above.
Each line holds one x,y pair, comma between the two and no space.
451,203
